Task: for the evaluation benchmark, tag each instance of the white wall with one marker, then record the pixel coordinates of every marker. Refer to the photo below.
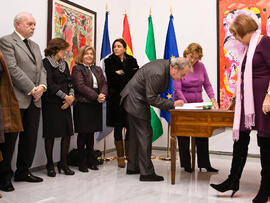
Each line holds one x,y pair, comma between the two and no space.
192,24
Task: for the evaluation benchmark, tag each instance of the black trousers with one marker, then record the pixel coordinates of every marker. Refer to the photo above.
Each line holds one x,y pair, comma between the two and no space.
202,152
140,146
26,145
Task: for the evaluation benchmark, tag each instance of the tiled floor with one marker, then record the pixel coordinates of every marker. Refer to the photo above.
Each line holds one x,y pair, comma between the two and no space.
110,184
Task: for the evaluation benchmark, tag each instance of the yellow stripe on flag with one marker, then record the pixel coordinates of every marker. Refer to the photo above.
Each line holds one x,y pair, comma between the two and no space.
126,36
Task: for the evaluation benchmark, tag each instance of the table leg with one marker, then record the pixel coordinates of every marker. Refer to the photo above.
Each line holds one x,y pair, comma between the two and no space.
193,153
173,156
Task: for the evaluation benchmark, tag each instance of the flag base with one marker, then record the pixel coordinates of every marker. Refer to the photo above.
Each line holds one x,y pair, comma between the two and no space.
165,158
109,158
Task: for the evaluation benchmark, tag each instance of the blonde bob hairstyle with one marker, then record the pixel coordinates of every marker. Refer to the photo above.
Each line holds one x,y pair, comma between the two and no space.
193,48
81,53
242,25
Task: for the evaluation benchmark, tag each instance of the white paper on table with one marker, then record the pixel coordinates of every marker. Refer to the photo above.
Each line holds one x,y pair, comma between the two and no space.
194,105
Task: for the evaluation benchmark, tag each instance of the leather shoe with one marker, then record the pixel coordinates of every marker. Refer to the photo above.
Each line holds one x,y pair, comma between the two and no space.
152,177
129,172
188,169
6,185
28,178
210,169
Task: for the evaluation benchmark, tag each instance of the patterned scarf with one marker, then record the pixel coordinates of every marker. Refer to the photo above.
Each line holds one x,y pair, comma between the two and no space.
61,65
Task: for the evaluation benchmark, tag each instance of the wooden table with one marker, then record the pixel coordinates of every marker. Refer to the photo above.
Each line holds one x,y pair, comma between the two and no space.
195,123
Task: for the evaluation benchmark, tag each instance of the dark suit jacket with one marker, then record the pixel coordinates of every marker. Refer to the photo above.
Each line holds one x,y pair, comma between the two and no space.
83,83
144,88
56,81
26,72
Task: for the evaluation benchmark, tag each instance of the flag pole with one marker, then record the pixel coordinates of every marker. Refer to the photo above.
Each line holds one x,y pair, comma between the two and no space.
104,146
104,153
168,157
153,156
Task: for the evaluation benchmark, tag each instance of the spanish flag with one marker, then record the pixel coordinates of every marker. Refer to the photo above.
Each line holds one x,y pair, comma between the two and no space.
126,36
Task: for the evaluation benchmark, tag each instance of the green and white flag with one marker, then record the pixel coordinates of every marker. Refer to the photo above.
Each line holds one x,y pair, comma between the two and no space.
150,51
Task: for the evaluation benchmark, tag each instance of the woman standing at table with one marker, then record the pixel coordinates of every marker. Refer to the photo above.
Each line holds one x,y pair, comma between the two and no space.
189,90
119,68
252,106
90,91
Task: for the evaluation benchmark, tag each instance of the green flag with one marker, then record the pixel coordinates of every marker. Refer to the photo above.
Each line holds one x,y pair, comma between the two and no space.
150,51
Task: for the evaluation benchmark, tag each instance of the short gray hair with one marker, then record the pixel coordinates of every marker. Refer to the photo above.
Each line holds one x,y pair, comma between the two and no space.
181,63
19,17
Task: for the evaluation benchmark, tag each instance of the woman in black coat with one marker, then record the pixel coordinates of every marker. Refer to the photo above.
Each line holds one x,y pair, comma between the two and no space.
56,102
119,68
90,91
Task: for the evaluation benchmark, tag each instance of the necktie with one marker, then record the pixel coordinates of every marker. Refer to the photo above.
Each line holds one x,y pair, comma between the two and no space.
26,43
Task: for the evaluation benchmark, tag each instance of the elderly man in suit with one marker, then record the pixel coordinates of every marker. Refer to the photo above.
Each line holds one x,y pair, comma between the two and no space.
24,61
142,91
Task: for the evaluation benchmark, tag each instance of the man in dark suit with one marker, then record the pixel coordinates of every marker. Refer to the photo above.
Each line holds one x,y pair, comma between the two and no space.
142,91
24,61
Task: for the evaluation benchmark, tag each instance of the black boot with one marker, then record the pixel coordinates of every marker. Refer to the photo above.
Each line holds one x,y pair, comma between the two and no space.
262,195
264,191
240,149
227,185
91,160
82,161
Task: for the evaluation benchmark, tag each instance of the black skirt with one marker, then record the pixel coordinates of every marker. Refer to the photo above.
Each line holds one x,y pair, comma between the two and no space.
56,121
87,117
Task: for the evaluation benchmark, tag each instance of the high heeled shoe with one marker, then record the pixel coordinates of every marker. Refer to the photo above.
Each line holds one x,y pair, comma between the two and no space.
62,166
227,185
50,170
188,169
210,169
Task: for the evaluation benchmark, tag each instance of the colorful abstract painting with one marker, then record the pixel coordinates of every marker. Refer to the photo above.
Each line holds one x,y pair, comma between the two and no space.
74,23
230,50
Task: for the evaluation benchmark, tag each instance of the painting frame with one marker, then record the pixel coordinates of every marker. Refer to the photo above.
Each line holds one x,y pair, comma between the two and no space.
225,11
74,23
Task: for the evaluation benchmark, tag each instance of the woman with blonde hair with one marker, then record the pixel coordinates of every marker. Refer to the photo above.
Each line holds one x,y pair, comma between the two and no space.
90,92
189,90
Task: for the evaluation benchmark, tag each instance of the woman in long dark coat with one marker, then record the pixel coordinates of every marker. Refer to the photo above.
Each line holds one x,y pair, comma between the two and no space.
90,91
56,102
119,68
